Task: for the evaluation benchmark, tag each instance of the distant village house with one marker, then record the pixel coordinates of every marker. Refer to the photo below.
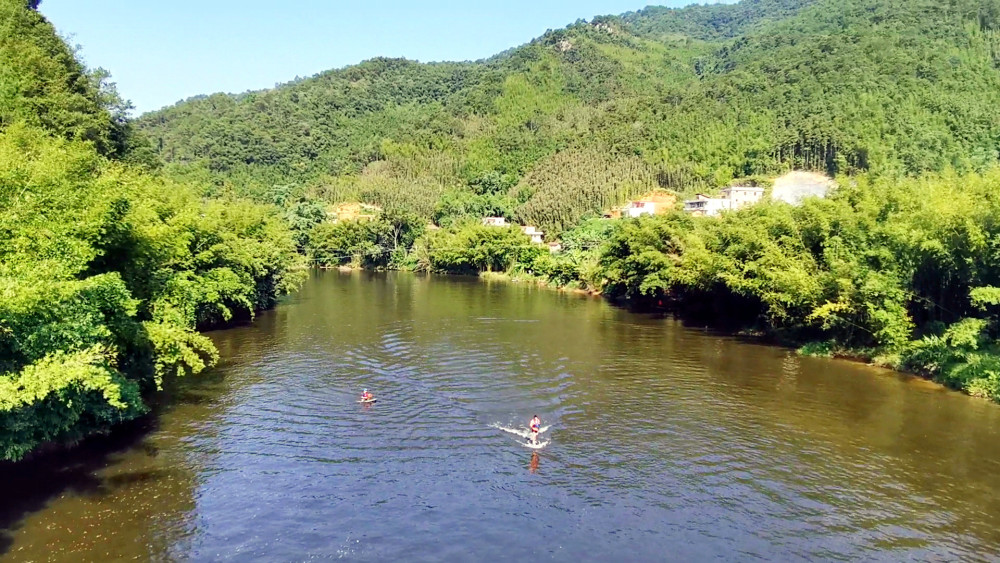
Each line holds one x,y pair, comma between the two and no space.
742,195
734,197
536,236
704,205
639,208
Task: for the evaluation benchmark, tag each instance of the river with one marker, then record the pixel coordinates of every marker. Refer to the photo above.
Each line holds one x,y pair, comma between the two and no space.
667,443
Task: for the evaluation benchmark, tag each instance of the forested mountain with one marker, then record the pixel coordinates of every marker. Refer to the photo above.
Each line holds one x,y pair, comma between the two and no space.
697,96
106,269
42,84
709,22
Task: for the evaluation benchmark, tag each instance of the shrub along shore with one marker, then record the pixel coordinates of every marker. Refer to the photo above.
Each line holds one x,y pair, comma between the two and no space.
106,273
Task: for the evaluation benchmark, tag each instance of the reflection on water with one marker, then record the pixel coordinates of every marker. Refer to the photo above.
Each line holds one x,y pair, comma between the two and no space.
666,443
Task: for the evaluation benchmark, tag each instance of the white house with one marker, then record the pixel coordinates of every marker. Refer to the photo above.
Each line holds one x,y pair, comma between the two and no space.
494,221
704,205
733,197
638,208
536,236
742,195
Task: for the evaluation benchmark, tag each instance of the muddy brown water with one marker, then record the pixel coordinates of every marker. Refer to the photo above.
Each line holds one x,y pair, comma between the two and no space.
667,443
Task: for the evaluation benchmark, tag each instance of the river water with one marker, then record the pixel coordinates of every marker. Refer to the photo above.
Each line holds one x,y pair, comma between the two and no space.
667,443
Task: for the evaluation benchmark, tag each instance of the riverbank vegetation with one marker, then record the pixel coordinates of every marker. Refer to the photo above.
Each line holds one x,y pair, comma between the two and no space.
106,268
901,271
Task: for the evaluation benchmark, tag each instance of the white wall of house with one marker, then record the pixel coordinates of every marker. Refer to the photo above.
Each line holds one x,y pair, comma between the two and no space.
742,195
639,208
710,206
733,197
537,236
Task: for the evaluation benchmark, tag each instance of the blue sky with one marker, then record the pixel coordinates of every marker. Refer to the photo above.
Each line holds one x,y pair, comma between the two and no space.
160,52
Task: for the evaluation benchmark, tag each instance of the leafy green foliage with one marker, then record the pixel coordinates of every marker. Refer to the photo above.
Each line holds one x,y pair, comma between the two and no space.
578,263
346,242
903,269
62,396
463,206
709,21
473,248
106,271
105,274
382,243
42,84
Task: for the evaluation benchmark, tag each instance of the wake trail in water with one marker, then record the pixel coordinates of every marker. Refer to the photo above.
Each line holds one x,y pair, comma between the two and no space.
522,432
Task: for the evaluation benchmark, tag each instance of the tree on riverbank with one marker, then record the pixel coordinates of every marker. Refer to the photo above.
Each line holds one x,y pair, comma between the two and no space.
474,248
106,271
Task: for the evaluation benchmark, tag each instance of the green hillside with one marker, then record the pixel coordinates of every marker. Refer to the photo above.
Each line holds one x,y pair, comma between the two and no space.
700,95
